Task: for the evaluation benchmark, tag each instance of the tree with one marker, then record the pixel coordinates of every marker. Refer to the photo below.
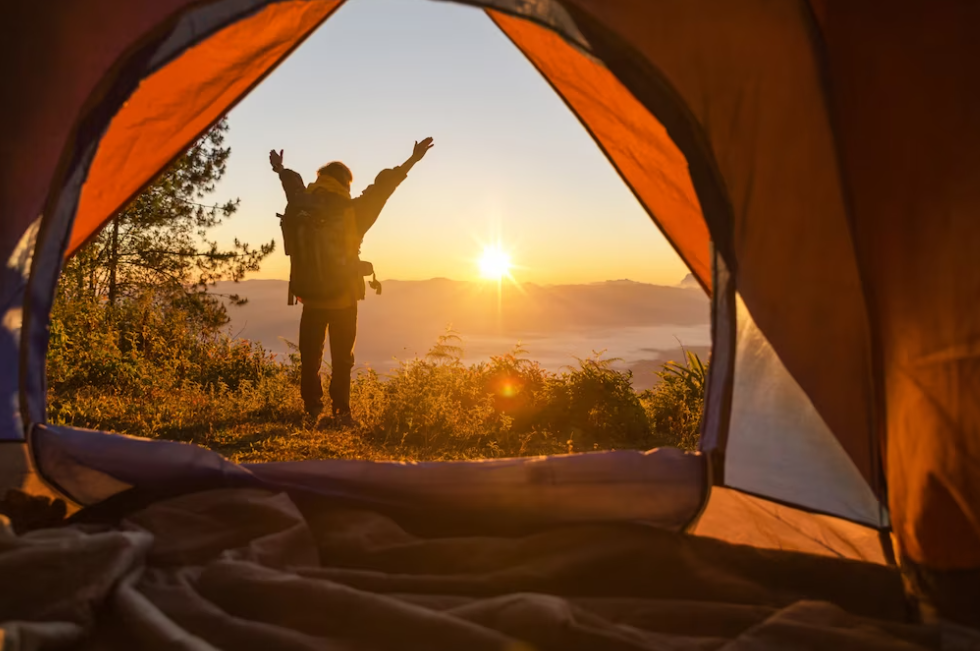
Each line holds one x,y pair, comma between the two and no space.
160,240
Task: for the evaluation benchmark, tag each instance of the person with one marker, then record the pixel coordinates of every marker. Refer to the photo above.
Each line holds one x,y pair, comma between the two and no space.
338,311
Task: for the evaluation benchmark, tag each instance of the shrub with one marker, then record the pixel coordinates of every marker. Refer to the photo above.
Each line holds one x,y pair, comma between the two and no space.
595,407
438,403
674,407
149,366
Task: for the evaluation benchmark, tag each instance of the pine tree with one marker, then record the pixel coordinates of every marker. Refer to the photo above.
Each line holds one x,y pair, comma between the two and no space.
161,242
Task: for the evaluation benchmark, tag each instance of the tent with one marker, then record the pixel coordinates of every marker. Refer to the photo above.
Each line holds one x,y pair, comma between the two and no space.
814,162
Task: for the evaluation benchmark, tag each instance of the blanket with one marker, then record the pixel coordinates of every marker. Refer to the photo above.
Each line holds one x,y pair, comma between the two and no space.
253,569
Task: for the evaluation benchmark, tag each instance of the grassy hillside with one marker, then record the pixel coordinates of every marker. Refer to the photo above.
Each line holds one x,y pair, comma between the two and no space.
150,367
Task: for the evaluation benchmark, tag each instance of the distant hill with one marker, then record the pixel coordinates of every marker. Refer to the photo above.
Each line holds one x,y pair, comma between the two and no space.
638,322
690,282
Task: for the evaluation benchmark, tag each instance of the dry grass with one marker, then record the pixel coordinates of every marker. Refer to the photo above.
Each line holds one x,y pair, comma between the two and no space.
148,369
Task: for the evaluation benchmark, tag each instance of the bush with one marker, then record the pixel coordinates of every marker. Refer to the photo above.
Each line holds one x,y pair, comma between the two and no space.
595,407
674,407
438,403
152,366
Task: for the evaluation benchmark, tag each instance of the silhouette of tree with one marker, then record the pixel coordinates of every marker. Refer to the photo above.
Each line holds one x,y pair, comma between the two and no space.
160,241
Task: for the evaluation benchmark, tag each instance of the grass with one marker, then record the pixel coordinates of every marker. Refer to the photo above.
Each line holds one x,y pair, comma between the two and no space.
150,368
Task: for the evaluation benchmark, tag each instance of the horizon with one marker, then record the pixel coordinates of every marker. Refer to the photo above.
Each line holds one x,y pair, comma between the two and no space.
643,324
688,282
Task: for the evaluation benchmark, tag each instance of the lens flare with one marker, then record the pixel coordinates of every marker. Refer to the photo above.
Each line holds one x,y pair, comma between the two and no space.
494,264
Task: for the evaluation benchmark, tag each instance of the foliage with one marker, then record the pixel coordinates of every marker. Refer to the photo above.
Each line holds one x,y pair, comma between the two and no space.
160,240
438,403
148,367
447,349
675,405
595,406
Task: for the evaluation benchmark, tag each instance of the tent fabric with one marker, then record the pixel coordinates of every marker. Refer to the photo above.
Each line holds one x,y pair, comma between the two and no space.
907,106
663,488
749,79
75,89
49,59
13,284
633,140
39,295
181,100
721,373
870,250
761,430
778,445
834,166
743,519
549,14
71,84
255,569
18,472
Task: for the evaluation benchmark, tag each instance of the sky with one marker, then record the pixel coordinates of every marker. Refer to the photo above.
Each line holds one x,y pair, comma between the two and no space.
510,162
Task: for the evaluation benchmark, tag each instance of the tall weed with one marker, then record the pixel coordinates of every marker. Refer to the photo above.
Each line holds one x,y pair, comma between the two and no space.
674,407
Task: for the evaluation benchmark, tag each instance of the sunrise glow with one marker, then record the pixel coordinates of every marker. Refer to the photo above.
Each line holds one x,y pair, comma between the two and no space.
494,263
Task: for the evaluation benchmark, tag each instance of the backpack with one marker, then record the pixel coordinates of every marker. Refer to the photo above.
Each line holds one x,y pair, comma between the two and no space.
314,238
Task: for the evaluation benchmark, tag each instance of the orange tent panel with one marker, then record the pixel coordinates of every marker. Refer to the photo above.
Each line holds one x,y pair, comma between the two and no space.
175,105
632,139
908,104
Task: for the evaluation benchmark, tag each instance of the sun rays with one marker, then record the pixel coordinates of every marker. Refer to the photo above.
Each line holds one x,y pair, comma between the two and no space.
494,263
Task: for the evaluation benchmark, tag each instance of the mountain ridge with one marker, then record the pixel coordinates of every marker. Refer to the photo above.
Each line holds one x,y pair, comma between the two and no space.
642,323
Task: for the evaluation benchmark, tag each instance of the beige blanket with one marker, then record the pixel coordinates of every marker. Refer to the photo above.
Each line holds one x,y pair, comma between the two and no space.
247,569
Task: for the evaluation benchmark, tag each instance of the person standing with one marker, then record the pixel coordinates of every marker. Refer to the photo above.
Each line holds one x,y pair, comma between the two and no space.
327,275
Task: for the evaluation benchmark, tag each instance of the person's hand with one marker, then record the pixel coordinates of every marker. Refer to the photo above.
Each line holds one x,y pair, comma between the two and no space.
421,148
276,160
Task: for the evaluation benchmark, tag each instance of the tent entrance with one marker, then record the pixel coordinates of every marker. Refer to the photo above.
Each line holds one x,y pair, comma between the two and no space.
159,94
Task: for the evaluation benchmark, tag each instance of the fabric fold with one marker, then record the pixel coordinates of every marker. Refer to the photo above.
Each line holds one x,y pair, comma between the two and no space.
248,569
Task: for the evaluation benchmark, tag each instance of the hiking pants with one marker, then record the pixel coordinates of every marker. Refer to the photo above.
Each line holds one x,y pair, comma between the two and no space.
313,327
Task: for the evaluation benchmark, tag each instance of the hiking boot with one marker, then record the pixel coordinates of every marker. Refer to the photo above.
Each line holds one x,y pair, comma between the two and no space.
311,417
336,422
344,419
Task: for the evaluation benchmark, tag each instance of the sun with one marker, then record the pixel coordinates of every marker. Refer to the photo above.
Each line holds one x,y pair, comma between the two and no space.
494,264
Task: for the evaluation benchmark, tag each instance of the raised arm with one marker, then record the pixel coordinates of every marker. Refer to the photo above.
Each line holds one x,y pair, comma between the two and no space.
368,206
417,153
292,182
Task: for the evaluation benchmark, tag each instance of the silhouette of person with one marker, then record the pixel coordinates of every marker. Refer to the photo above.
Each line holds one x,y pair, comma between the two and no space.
339,314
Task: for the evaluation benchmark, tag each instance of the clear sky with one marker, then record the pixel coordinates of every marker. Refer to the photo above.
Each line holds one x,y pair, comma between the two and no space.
509,162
